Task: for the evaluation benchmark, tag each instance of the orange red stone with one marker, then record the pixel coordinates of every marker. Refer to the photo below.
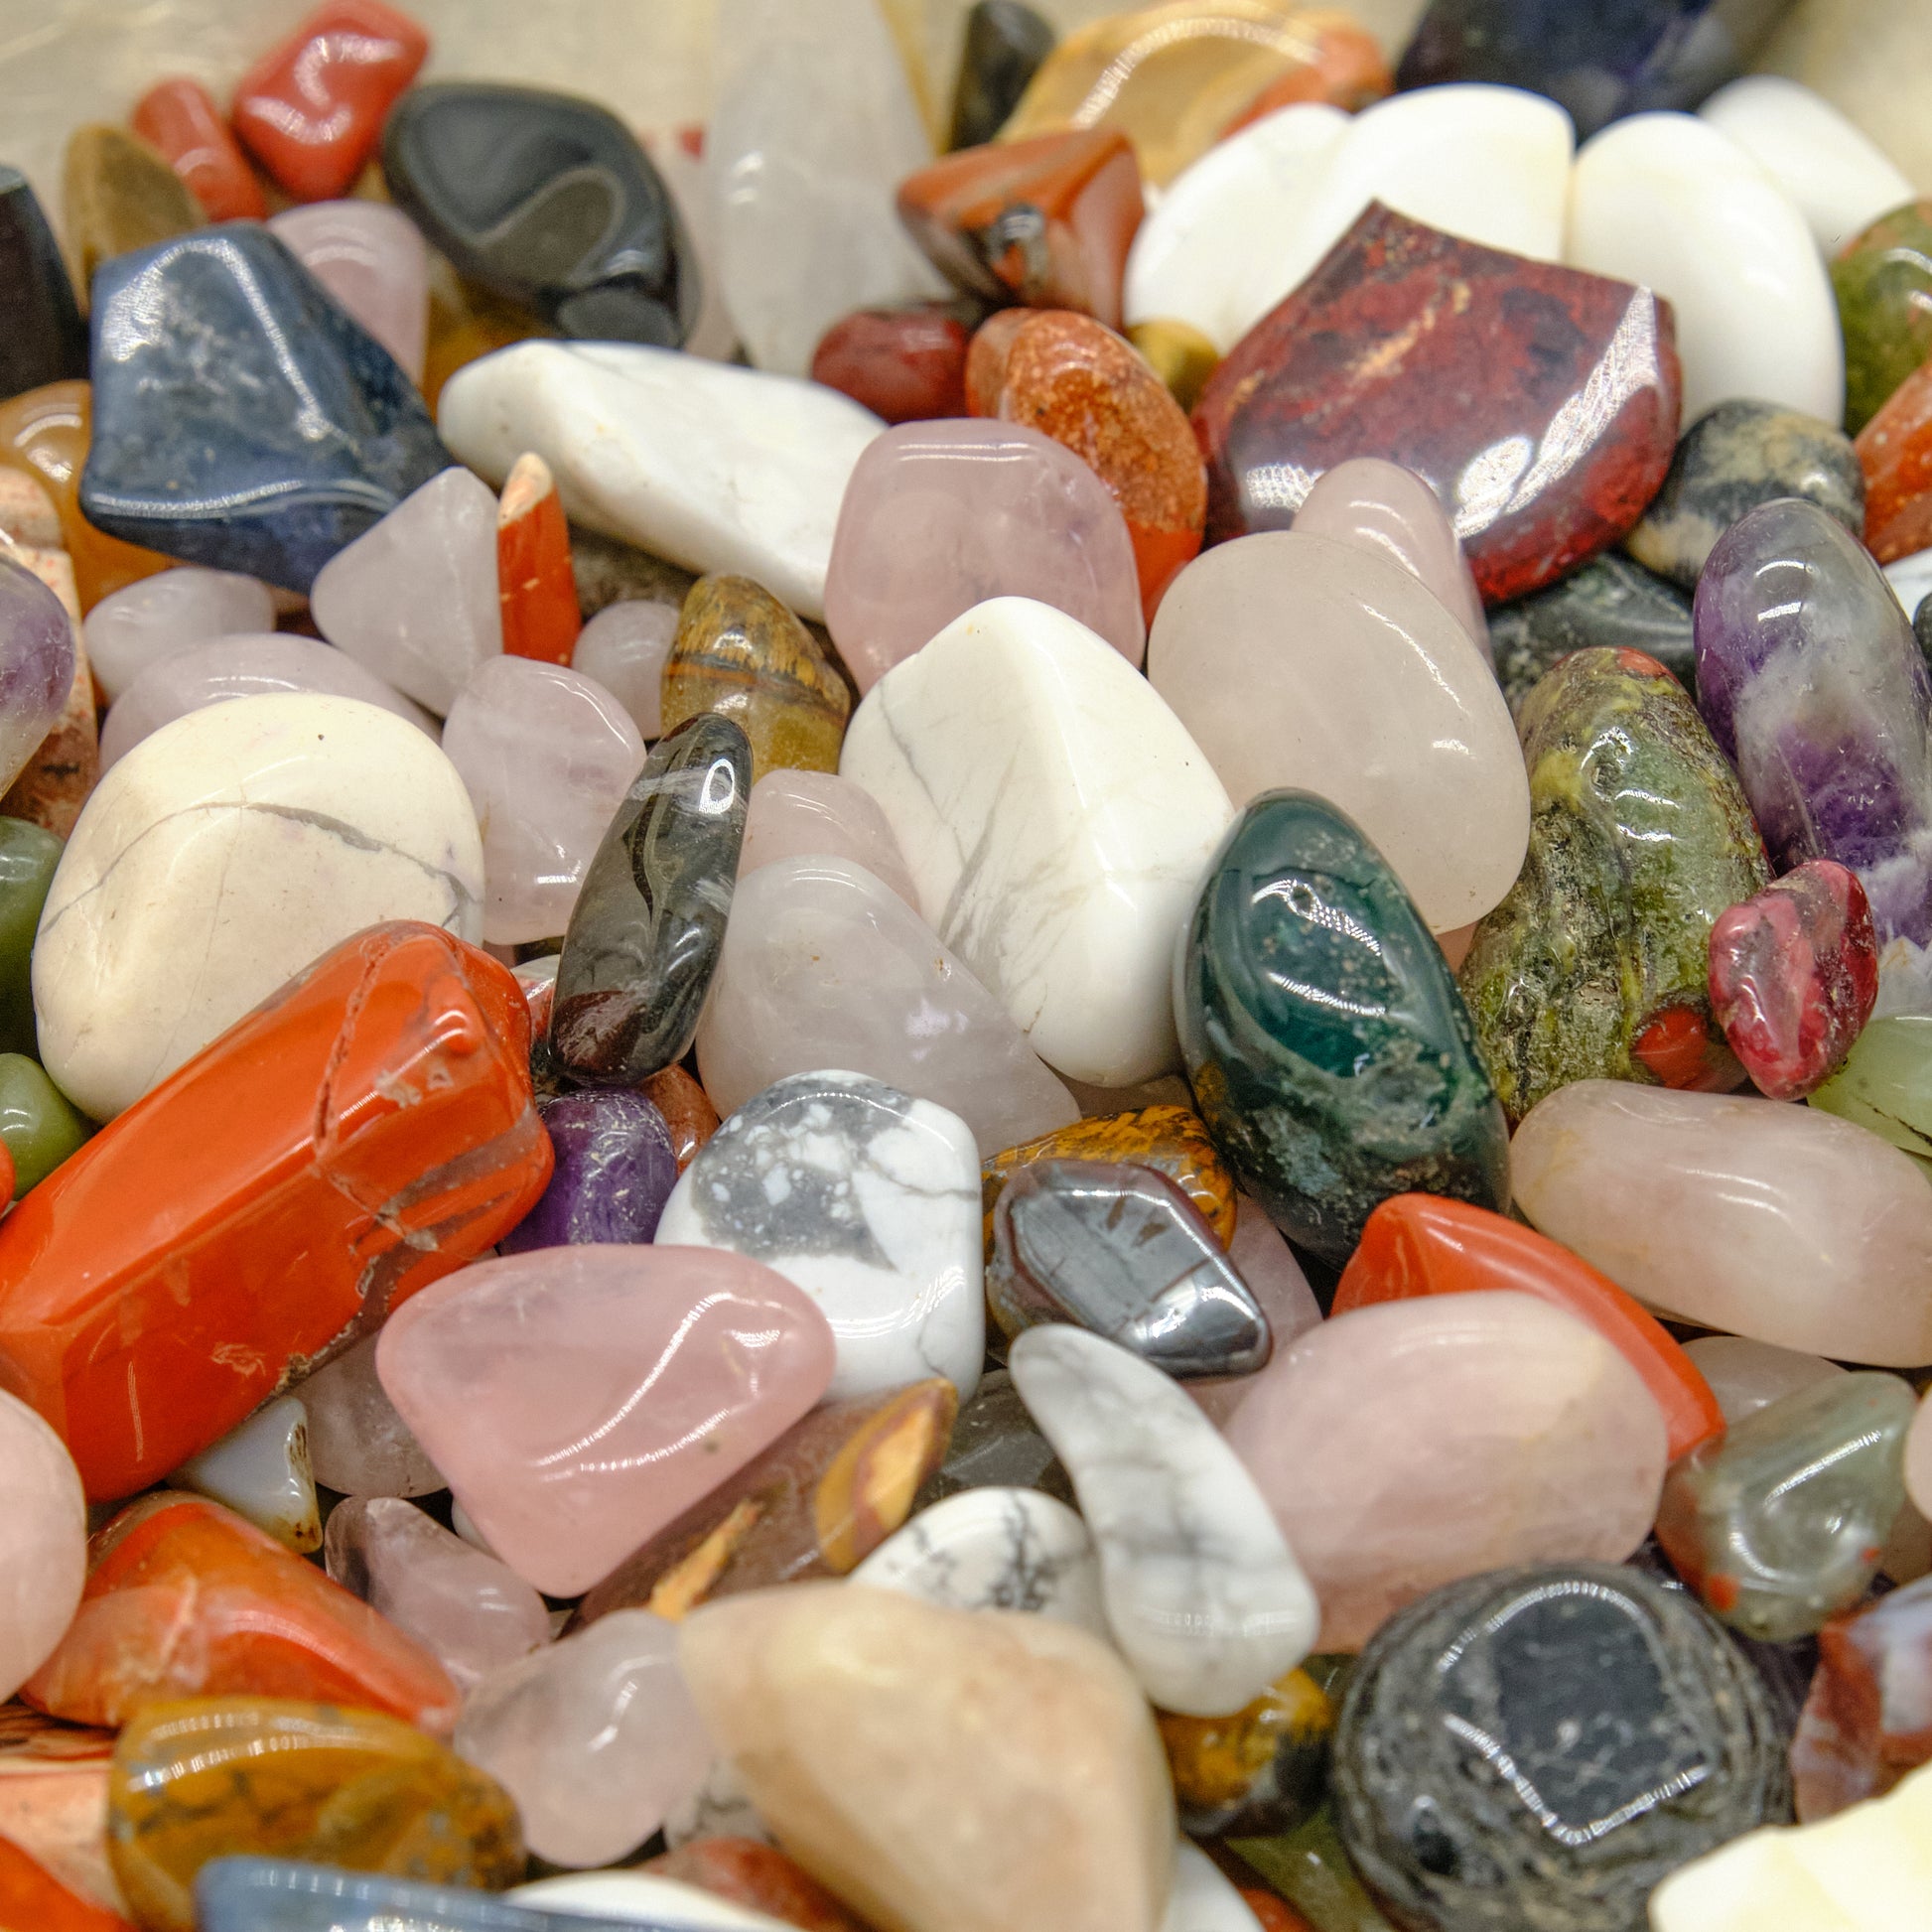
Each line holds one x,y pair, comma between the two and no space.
1896,452
533,574
179,119
686,1108
760,1877
32,1899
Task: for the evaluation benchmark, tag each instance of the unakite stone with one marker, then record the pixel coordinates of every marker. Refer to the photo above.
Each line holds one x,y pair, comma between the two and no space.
1331,1054
118,193
739,652
1596,964
1885,1083
38,1123
27,857
1884,282
1611,602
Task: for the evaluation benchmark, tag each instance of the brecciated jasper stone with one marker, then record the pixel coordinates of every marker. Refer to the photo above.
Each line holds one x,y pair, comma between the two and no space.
1436,353
615,1168
548,200
645,934
1595,966
367,1129
41,337
1329,1051
1541,1746
1004,44
1882,279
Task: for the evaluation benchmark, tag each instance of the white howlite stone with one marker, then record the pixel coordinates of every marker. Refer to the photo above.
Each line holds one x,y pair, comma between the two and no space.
1839,178
994,1549
652,1900
870,1201
260,1471
813,127
220,857
1672,203
717,468
1202,1593
1056,817
415,598
130,628
1203,1899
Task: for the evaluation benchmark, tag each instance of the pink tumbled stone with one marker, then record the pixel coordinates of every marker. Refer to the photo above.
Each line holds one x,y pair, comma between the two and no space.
370,257
42,1542
357,1444
796,813
1266,1264
152,618
623,647
1407,1445
580,1399
940,516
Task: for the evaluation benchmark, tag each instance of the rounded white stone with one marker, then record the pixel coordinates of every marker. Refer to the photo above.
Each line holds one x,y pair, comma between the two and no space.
130,628
1203,1899
645,1896
223,855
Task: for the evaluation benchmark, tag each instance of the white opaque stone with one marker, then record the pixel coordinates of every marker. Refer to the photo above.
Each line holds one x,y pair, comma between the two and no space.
373,259
1056,817
1839,178
42,1542
357,1444
994,1549
644,1896
260,1471
414,598
130,628
717,468
249,839
548,756
623,648
1669,202
714,336
1747,1375
246,666
795,814
1203,1899
866,1198
813,126
1202,1593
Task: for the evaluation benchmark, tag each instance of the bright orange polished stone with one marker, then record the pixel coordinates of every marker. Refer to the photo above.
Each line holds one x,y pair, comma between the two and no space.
186,1599
1275,1914
1423,1244
533,574
179,119
1896,452
53,1780
360,1134
32,1899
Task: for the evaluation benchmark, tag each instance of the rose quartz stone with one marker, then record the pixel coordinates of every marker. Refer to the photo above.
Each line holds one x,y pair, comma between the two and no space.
824,966
371,258
357,1444
548,756
623,647
1746,1376
1410,1444
794,815
133,628
42,1542
580,1399
1918,1459
940,516
1266,1264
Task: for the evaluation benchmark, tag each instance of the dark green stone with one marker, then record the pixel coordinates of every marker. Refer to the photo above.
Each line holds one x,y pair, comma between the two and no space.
36,1123
1329,1052
1595,967
1923,628
1004,44
1611,601
27,857
1883,282
1310,1869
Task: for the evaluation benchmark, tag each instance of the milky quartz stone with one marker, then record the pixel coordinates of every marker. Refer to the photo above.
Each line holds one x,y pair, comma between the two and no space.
1672,203
248,838
242,667
1745,1376
414,598
373,259
942,516
548,756
825,966
793,813
260,1469
596,1738
1780,1223
37,657
357,1444
1057,819
645,1897
130,628
579,1399
1304,662
42,1542
623,648
1410,1444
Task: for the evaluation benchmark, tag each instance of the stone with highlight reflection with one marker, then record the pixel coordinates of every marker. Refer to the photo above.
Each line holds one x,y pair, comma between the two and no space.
130,628
370,257
37,664
794,813
42,1542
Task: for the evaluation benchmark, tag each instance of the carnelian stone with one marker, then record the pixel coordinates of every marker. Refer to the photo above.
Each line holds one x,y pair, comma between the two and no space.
1423,1244
1896,452
179,118
312,109
1275,1914
908,366
32,1899
53,1780
186,1599
361,1132
686,1108
533,575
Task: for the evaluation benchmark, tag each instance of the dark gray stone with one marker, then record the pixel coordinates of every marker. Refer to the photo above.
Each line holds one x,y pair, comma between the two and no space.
1004,44
1611,602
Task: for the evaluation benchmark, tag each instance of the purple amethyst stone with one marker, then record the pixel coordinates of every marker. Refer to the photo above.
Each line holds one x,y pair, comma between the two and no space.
615,1171
36,666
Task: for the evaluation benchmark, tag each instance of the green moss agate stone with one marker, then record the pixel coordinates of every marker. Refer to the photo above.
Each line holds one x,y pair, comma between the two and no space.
37,1124
1596,965
1883,282
1329,1052
27,857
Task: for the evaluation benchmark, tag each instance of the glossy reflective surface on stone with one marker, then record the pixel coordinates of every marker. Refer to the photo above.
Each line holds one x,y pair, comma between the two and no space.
1882,279
906,365
615,1168
44,338
371,259
1004,44
179,119
1612,602
254,1894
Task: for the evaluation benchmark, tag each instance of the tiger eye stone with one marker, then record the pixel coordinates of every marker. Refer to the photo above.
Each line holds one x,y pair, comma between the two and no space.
686,1108
119,193
1258,1771
1178,353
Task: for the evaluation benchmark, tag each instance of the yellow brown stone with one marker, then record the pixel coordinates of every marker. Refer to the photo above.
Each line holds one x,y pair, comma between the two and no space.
1217,1761
1178,353
120,193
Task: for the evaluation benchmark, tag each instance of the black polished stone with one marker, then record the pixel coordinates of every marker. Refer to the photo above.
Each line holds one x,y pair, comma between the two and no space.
41,336
549,200
1004,44
649,923
1534,1749
1611,601
997,1445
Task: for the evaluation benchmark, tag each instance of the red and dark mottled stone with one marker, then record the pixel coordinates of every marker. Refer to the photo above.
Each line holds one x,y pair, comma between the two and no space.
1540,402
1794,976
908,366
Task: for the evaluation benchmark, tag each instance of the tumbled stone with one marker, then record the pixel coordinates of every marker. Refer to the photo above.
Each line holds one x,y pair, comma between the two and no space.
357,1444
1884,1083
1309,1867
177,117
33,1894
37,665
1610,602
28,858
623,648
44,338
904,364
132,629
1895,454
640,1895
686,1108
1255,1771
45,1540
615,1168
118,195
799,812
1882,279
260,1471
1745,1375
996,1444
246,1894
1178,353
371,259
755,1876
1004,46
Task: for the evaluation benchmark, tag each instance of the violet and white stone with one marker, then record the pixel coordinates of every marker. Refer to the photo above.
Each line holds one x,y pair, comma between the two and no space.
260,1469
1202,1593
130,628
623,648
866,1198
42,1542
373,259
793,814
357,1444
37,659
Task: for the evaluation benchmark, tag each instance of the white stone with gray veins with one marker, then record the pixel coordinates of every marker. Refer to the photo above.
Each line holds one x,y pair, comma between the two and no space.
1204,1595
222,855
994,1549
866,1198
721,1807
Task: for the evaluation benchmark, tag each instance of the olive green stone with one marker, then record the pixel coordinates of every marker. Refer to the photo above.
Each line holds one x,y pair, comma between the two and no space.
1596,965
1883,282
36,1123
1310,1869
27,857
1331,1054
118,195
1885,1083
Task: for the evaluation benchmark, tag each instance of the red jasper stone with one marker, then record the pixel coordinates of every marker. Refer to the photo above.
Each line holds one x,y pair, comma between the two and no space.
32,1899
311,111
1895,453
1275,1914
360,1134
908,366
758,1875
1864,1722
179,118
1541,403
534,581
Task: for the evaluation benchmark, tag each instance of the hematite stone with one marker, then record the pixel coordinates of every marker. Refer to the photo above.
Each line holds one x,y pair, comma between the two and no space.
645,934
41,337
1004,44
549,200
1531,1750
242,419
1611,601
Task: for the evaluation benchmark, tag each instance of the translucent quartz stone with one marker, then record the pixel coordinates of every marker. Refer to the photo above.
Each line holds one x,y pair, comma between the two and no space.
370,257
357,1444
547,755
596,1738
1918,1460
42,1542
260,1469
129,629
471,1614
1746,1375
1885,1083
37,657
798,813
623,648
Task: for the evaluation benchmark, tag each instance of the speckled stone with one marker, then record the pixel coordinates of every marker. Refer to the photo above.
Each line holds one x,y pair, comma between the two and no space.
1882,279
1612,602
